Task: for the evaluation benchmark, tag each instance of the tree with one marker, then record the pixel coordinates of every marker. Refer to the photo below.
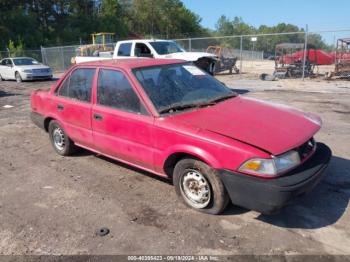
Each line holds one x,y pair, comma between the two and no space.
63,22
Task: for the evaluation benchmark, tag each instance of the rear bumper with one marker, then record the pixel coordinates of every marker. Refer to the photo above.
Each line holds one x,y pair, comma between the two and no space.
38,119
269,195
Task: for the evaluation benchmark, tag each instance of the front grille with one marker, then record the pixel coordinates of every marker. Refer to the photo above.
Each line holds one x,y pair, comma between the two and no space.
306,149
41,70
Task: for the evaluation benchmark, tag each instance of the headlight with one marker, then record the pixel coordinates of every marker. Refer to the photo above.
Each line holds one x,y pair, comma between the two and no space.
273,166
28,71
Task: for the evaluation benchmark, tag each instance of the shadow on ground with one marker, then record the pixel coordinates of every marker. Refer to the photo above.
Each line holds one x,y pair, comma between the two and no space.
323,206
5,94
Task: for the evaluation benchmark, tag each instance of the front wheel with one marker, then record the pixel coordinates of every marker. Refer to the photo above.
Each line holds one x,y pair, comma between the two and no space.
18,77
62,144
199,186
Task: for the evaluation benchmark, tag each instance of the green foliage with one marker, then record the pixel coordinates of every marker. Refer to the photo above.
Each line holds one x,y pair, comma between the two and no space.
237,26
64,22
15,50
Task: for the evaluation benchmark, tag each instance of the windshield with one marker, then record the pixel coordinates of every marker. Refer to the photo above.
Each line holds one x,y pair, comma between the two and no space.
24,61
180,86
166,47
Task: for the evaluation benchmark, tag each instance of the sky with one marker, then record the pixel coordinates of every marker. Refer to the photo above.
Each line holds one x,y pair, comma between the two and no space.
319,15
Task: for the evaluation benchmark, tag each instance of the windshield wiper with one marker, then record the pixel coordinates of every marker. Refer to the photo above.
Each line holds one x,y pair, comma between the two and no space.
183,106
177,107
217,100
222,98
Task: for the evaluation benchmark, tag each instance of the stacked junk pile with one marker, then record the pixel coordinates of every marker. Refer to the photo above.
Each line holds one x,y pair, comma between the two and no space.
342,60
289,61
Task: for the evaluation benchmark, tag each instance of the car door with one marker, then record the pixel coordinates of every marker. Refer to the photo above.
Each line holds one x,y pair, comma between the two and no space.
122,127
6,69
3,68
73,104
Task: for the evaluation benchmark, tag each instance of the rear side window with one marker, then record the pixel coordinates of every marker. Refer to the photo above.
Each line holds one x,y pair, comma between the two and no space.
142,50
114,90
78,85
124,49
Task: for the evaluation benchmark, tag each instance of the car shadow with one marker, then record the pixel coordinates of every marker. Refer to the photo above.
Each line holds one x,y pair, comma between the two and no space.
53,79
5,94
323,206
83,152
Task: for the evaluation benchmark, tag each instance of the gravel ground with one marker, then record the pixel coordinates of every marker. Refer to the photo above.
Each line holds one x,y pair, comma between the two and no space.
54,205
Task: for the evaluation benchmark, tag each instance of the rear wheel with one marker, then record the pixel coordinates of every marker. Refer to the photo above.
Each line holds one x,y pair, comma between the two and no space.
18,77
199,186
62,144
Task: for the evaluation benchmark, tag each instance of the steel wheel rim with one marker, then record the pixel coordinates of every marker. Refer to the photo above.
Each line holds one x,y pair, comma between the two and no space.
59,139
195,189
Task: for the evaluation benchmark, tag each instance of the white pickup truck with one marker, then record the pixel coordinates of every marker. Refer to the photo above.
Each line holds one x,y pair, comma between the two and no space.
155,48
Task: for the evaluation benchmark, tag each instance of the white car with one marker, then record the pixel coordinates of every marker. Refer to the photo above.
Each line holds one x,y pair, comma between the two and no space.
23,68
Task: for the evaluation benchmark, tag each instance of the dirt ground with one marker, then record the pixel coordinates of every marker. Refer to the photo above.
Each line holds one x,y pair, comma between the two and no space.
54,205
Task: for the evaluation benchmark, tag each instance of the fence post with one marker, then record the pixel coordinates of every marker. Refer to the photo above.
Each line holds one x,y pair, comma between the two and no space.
190,44
43,58
241,56
62,59
305,50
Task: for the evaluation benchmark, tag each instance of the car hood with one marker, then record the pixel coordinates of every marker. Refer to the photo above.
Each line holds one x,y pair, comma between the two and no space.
38,66
271,127
189,56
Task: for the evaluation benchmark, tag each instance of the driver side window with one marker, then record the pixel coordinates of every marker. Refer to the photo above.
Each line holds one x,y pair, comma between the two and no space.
8,62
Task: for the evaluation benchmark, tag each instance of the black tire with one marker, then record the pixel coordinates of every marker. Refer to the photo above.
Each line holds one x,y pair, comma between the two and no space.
68,147
218,199
18,77
211,68
1,79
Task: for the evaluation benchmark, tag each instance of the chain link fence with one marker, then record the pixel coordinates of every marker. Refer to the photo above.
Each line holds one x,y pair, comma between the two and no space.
256,54
36,54
59,58
231,46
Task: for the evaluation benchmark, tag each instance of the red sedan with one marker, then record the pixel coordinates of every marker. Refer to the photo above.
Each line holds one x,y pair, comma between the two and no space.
172,119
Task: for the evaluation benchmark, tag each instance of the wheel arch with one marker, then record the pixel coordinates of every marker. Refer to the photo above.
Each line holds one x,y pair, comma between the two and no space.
47,121
175,156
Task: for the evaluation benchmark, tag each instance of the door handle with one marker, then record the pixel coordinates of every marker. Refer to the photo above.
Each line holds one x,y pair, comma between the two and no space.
60,107
98,117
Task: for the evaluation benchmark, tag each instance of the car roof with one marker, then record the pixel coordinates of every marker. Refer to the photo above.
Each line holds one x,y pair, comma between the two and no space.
144,40
130,63
19,57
